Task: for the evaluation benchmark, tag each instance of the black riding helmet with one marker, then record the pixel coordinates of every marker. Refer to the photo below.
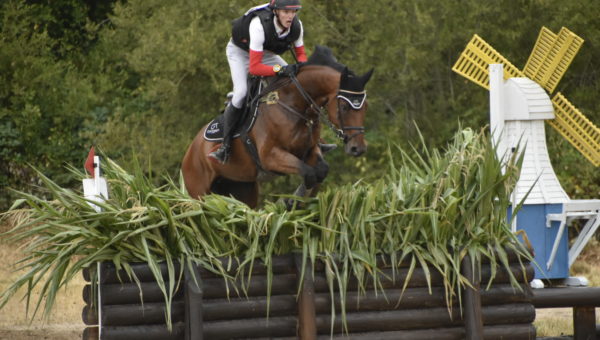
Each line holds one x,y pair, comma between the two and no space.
285,4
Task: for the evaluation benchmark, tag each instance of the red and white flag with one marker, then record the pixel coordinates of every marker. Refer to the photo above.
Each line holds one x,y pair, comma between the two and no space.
89,162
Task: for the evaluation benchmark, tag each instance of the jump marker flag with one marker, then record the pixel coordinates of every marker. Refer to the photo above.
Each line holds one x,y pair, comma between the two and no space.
95,188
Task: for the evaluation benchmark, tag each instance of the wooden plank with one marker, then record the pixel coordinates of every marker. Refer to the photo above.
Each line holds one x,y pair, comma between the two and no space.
472,307
193,306
307,328
584,323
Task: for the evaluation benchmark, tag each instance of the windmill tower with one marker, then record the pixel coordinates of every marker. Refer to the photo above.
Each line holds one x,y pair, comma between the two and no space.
519,104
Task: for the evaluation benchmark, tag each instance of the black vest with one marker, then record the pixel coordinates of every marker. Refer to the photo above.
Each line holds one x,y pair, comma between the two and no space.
240,32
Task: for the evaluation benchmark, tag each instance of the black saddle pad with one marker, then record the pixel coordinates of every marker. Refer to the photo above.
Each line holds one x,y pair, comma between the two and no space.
214,130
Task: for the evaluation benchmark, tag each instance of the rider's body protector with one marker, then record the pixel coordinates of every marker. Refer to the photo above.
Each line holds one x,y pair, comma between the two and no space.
240,32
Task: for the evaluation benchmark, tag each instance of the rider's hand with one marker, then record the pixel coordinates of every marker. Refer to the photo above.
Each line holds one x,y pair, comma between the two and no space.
286,70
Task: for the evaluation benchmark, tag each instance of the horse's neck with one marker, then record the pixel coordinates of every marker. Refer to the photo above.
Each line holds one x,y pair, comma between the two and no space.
319,81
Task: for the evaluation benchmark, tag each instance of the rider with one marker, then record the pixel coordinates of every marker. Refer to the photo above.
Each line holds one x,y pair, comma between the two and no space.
258,38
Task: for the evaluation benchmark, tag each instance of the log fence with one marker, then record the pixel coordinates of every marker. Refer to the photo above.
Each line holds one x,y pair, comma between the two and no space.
219,310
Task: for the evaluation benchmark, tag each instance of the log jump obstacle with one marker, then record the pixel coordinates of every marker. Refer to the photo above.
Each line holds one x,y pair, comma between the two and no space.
209,312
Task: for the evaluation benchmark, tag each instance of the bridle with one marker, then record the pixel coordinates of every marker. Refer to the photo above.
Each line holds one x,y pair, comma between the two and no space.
341,95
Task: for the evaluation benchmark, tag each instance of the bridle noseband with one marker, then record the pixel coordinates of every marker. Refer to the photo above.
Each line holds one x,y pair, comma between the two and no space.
357,104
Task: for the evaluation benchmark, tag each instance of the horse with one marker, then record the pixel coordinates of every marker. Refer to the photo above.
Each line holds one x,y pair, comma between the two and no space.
286,132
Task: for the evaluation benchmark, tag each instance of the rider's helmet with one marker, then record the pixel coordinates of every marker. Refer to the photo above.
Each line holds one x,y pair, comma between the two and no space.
285,4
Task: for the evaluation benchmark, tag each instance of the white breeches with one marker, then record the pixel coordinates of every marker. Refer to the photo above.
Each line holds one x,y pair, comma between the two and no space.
239,61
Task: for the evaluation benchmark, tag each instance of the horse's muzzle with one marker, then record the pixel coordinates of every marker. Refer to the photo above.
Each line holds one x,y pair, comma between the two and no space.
355,149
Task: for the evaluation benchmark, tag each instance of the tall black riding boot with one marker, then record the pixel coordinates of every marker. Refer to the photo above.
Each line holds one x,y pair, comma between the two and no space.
230,118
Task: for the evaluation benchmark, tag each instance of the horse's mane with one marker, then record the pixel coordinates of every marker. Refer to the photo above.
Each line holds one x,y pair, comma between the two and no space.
323,56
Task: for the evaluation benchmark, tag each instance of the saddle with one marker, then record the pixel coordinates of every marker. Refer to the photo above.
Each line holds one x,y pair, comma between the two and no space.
214,131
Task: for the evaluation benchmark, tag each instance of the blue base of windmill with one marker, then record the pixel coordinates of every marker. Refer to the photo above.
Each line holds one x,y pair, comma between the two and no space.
532,219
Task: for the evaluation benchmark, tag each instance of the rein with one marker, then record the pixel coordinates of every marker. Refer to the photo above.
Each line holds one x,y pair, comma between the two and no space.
341,132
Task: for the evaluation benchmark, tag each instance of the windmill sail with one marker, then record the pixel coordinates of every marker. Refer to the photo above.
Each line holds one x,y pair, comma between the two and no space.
576,128
473,63
551,56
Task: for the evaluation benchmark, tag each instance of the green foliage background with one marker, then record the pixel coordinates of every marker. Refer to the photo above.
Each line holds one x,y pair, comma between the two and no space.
140,77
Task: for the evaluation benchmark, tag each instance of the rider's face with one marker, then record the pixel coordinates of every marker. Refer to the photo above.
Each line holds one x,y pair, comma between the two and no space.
285,17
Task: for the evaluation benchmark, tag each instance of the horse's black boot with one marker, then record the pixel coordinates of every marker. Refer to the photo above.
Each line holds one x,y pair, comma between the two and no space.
230,118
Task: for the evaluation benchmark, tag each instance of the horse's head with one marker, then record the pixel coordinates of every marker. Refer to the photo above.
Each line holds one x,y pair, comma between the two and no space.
347,112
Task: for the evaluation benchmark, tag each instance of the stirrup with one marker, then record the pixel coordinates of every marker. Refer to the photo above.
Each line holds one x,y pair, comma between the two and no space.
221,154
325,148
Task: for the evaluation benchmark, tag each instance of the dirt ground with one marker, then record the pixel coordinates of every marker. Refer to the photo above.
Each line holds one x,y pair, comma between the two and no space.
48,332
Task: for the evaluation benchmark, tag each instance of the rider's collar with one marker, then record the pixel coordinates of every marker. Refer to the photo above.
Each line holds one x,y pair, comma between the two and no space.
281,31
355,99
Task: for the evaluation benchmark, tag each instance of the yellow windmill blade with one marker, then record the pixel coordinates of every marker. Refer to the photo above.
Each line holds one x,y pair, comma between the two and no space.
473,62
551,56
576,128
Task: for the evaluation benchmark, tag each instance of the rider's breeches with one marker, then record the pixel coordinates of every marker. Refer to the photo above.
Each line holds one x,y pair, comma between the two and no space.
239,61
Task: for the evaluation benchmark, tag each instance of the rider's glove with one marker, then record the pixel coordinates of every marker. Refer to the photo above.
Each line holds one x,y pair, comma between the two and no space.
286,70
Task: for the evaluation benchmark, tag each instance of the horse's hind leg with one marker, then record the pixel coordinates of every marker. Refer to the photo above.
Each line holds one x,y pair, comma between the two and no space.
246,192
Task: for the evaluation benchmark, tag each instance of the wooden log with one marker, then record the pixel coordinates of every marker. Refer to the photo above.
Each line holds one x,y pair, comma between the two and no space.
566,297
280,264
384,261
501,332
90,333
146,314
141,270
584,323
89,315
419,278
216,288
472,308
390,299
143,332
505,293
128,293
251,328
252,307
424,318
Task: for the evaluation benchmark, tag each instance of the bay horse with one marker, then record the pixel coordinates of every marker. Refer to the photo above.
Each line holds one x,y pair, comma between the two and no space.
286,132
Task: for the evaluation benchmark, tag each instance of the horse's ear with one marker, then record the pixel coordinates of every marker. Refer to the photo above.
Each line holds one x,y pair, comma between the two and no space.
365,77
345,73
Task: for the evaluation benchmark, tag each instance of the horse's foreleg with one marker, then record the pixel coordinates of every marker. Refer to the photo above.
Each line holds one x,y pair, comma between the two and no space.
281,161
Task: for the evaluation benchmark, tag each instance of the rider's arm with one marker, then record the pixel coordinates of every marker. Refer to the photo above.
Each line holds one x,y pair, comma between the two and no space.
257,39
299,45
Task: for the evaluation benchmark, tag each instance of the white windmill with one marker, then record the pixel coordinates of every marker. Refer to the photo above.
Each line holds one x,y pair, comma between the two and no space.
519,105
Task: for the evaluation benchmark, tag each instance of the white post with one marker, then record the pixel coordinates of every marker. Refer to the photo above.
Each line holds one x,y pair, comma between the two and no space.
496,103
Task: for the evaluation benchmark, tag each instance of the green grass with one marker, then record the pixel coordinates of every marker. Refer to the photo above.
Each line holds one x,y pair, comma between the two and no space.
433,208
